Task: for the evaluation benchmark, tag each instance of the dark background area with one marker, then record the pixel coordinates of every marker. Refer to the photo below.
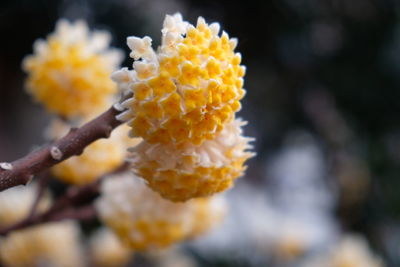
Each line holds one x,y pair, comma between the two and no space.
331,68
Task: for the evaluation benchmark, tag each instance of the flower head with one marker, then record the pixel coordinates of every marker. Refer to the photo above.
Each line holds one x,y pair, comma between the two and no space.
97,159
69,72
141,218
189,89
186,171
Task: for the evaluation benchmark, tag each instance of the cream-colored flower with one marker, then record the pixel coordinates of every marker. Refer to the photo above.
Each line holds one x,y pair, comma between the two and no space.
141,218
141,48
174,24
186,171
97,159
69,72
51,244
124,77
16,203
107,251
187,91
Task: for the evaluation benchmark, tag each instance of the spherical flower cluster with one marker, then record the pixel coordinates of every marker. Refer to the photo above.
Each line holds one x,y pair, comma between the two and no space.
52,244
69,73
182,172
16,203
97,159
107,251
183,106
189,89
144,220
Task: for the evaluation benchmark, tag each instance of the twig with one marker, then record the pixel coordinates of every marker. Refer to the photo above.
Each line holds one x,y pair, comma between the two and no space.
64,208
22,170
86,212
76,203
41,189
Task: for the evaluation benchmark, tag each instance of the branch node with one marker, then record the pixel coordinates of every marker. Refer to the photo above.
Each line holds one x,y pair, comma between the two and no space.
56,153
6,166
73,129
73,143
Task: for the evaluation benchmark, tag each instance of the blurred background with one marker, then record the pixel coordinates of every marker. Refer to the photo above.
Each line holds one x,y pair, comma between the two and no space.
322,102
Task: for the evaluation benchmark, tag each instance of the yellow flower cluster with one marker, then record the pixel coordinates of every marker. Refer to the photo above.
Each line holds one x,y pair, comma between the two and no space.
97,159
182,172
70,72
189,89
51,244
184,101
143,220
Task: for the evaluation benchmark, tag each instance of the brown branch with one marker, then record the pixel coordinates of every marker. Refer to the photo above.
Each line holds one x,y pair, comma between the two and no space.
22,170
86,212
76,203
66,207
41,190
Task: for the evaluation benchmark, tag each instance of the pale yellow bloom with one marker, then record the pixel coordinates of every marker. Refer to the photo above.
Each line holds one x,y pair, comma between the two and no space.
107,251
188,90
51,244
144,220
69,72
187,171
97,159
16,203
